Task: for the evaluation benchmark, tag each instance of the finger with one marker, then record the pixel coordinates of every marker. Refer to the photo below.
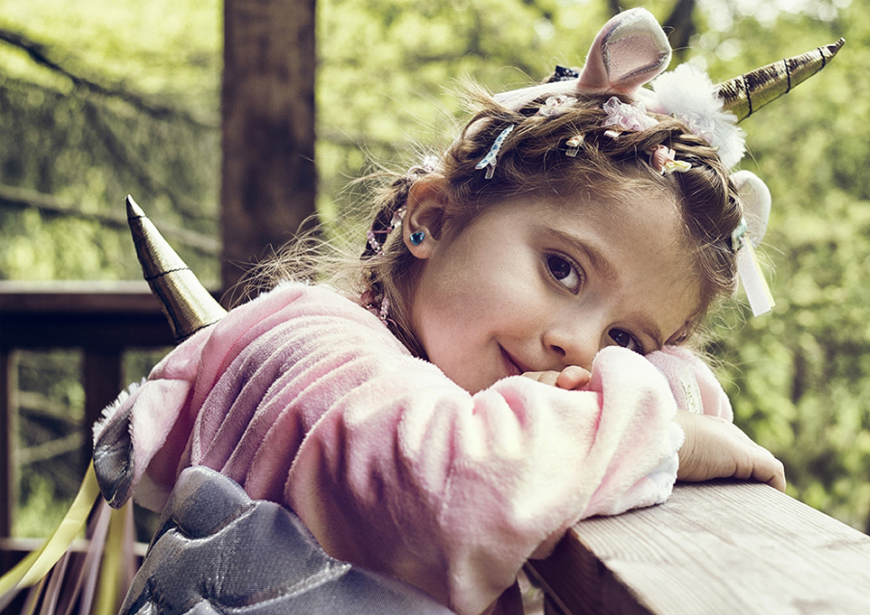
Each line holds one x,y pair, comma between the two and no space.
762,466
778,482
573,377
772,472
543,377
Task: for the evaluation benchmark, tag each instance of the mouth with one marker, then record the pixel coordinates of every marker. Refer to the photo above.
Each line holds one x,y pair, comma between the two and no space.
514,368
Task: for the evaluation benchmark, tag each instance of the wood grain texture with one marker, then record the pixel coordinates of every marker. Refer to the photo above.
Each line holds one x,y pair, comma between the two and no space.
720,547
8,440
95,315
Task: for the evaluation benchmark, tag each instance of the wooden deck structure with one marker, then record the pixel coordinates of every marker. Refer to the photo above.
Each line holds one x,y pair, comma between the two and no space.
722,547
717,548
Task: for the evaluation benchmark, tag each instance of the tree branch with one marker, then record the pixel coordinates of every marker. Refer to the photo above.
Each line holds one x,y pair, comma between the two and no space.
41,54
38,407
51,449
120,150
613,7
545,12
30,199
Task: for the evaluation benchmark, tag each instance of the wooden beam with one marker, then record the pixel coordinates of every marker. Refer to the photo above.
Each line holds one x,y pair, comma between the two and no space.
713,548
103,381
8,435
8,441
81,314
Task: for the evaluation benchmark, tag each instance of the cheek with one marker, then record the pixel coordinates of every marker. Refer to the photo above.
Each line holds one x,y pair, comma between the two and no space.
451,317
465,299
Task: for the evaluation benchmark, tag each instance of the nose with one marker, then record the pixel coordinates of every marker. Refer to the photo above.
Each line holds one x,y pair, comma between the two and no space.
575,342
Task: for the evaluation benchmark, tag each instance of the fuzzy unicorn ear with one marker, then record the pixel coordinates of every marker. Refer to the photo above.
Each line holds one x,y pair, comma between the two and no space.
629,51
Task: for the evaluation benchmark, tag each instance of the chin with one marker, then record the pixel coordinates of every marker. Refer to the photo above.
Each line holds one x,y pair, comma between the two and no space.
472,386
479,384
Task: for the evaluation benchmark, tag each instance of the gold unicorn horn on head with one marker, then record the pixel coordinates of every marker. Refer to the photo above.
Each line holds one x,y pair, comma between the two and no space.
748,93
186,302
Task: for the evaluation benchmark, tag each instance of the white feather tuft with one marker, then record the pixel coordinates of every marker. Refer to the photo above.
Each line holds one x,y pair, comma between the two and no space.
688,94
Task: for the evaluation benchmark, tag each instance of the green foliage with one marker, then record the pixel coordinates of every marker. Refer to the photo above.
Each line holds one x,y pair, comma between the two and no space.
418,54
41,511
144,122
387,73
51,403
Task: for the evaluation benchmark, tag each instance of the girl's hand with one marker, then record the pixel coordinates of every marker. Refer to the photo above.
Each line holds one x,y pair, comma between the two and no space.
716,448
572,378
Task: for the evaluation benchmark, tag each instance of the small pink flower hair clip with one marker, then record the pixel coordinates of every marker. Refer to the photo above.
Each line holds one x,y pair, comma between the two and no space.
663,159
631,117
556,105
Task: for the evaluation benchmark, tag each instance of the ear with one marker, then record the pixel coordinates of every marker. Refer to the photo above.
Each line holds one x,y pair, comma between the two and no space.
424,212
629,51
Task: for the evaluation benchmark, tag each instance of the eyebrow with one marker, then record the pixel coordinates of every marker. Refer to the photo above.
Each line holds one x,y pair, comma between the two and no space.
605,269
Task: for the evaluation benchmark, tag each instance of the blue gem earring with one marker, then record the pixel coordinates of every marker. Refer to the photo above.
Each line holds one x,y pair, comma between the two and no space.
417,237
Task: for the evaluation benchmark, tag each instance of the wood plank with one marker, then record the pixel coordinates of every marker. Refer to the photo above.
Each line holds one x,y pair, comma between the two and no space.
43,331
8,389
721,547
22,546
8,438
103,381
78,297
81,314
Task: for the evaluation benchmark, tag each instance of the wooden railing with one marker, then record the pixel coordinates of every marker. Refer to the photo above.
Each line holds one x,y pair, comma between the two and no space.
721,547
101,319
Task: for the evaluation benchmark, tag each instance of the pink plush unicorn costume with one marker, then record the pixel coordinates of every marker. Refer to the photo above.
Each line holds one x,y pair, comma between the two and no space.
304,398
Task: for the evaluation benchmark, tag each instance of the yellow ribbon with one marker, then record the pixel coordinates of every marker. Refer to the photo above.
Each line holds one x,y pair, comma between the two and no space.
111,572
36,565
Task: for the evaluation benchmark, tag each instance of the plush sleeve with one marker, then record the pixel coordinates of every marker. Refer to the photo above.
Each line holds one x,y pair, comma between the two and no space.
306,399
692,382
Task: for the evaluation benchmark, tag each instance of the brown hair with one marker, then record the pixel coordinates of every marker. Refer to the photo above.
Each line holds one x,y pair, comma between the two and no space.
533,159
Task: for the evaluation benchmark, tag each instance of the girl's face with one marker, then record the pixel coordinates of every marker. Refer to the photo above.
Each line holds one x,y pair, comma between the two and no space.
538,285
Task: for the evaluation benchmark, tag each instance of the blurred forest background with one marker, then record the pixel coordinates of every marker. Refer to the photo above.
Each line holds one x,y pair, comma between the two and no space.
101,98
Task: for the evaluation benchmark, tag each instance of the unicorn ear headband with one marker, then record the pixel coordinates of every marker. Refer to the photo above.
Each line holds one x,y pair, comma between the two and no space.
630,51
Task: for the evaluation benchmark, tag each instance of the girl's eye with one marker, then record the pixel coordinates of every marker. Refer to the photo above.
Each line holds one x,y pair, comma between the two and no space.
564,272
626,340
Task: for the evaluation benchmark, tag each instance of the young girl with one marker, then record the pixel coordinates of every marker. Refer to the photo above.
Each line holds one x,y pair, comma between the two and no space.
510,360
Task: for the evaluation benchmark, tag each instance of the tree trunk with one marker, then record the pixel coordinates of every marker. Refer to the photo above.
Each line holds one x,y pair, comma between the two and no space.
268,172
680,26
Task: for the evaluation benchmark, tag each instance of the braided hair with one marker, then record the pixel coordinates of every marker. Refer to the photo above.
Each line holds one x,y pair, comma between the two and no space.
567,155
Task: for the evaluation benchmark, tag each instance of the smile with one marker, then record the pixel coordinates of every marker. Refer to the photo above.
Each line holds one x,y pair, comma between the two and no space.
513,367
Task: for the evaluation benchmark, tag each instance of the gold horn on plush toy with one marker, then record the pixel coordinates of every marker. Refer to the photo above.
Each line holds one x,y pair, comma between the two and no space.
746,94
186,302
